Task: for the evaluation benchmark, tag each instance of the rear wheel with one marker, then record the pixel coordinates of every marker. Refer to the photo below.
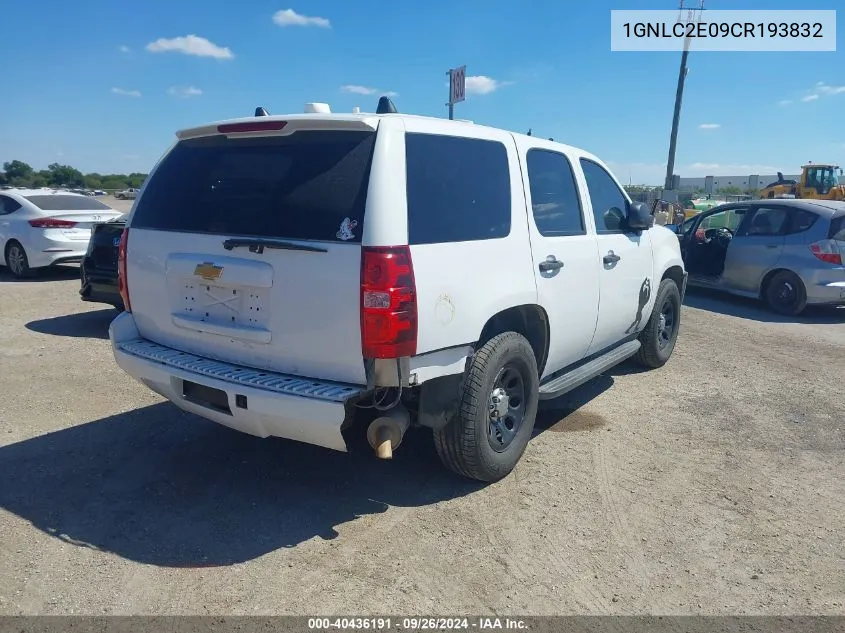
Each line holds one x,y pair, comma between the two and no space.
785,293
17,260
499,398
658,338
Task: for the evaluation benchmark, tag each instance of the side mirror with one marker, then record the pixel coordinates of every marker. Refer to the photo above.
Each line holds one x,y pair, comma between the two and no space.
639,217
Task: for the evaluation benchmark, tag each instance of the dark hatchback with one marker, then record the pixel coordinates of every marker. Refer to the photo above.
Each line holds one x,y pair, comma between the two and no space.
98,269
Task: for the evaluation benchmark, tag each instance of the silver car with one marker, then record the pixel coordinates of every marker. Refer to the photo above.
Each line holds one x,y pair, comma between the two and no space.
788,253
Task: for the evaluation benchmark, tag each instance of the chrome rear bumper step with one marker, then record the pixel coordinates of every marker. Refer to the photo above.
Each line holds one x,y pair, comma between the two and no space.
240,375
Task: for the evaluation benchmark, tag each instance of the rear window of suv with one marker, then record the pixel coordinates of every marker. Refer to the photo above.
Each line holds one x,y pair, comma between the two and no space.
303,186
458,189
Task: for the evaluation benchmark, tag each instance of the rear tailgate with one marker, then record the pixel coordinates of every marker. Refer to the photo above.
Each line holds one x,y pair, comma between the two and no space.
246,249
102,250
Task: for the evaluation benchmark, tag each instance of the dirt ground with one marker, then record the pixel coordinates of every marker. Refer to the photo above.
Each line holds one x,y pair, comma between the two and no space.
711,486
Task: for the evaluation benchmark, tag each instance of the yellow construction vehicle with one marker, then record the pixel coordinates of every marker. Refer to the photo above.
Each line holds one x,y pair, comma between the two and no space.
819,181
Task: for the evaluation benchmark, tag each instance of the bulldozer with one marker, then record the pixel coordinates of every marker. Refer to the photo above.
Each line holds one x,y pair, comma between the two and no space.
819,181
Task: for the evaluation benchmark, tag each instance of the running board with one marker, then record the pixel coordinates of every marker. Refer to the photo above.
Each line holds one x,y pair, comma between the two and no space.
578,376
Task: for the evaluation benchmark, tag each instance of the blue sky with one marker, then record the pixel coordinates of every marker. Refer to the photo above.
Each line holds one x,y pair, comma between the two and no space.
103,87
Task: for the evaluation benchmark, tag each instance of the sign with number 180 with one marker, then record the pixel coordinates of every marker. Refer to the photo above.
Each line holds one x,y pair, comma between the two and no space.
457,84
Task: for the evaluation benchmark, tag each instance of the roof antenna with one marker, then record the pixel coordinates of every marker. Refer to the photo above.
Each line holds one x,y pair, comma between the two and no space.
259,111
385,106
529,131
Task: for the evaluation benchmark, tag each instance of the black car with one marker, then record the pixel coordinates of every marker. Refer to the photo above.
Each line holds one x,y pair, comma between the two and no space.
98,269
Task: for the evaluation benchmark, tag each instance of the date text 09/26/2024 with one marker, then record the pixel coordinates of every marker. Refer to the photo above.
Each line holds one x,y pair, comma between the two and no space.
415,624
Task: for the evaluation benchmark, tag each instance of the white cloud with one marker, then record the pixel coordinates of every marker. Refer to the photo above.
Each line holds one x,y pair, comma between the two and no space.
366,90
184,91
709,126
825,89
482,85
784,102
126,93
822,89
357,90
123,49
190,45
289,17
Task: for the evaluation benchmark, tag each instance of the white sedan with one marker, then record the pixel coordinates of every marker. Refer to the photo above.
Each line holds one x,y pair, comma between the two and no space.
42,227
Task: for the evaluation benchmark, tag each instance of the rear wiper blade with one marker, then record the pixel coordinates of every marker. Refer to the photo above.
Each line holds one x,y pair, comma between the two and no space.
258,246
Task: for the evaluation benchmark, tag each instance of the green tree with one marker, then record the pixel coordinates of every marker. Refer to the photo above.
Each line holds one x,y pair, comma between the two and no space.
41,179
18,173
65,176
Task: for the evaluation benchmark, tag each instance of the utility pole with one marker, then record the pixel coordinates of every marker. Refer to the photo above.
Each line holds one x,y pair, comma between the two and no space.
679,95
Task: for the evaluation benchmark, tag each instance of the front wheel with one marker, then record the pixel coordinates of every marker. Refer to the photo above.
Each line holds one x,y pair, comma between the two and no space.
661,332
498,406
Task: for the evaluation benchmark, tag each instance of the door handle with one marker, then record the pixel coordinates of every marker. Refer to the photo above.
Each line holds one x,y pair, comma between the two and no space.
611,258
551,263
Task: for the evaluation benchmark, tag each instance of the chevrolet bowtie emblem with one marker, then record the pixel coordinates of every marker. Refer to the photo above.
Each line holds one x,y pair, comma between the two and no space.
208,271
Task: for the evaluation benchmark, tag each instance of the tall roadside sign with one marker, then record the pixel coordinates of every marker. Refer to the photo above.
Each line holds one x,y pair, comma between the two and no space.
457,88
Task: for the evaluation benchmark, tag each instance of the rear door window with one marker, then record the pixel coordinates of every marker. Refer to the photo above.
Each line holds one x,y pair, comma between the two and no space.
458,189
311,185
554,194
768,221
802,220
7,205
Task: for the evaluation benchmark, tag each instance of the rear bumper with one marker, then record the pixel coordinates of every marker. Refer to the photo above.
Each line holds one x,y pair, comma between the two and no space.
831,293
260,403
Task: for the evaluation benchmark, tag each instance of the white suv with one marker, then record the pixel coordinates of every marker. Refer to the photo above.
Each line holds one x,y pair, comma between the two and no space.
288,275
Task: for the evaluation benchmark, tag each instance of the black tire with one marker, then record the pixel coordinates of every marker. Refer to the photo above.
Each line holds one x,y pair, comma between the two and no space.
661,332
17,261
785,293
466,444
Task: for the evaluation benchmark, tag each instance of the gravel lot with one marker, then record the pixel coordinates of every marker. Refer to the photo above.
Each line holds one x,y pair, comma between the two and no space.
712,486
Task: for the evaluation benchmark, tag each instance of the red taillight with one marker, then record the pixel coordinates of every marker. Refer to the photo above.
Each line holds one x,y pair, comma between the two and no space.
122,282
51,223
251,126
388,302
827,251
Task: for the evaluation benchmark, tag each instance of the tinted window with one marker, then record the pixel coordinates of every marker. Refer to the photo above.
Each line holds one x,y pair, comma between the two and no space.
67,203
458,189
605,195
837,228
302,186
768,221
7,205
802,220
554,194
